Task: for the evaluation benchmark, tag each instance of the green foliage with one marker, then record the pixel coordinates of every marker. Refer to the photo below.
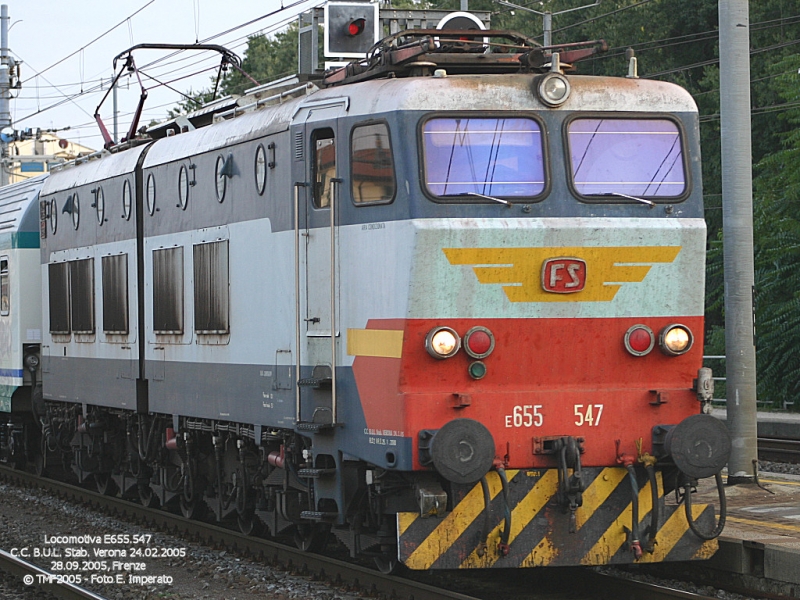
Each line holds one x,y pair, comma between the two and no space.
676,40
265,59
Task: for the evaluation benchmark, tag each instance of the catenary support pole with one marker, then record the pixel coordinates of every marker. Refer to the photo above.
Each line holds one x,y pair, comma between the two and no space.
737,227
5,82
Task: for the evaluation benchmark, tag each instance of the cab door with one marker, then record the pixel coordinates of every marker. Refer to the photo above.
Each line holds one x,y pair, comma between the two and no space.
319,155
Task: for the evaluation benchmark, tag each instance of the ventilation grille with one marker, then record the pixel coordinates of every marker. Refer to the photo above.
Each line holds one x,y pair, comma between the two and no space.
298,145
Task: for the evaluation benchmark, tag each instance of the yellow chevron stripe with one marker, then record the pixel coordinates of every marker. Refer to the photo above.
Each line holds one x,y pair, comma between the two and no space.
671,533
404,521
612,540
542,554
523,513
454,524
598,492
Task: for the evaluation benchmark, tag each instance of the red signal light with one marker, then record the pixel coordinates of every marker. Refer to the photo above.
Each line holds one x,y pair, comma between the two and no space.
639,340
479,342
356,27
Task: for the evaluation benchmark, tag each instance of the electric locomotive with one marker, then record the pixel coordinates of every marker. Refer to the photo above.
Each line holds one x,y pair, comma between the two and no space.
445,304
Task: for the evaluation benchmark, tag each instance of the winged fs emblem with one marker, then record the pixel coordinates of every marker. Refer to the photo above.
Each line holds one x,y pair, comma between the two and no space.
545,275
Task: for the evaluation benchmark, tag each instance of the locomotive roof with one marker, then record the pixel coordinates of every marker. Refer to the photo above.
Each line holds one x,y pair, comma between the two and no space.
91,170
456,93
19,208
493,92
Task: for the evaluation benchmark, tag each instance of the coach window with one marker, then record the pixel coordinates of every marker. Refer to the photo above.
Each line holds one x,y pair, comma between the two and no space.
622,160
58,297
81,284
168,290
211,288
115,294
324,166
372,177
478,159
5,298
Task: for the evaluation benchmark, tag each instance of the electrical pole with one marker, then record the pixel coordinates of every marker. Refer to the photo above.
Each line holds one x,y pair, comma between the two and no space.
5,92
737,228
547,17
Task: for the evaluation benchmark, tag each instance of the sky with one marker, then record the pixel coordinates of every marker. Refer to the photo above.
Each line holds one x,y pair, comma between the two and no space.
55,40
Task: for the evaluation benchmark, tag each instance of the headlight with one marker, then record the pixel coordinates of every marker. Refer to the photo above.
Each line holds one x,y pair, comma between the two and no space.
675,340
553,89
442,342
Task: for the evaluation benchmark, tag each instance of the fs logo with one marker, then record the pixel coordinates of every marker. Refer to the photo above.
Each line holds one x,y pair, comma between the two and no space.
534,275
563,275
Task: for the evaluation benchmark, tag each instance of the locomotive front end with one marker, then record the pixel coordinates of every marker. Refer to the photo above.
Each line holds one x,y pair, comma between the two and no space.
546,384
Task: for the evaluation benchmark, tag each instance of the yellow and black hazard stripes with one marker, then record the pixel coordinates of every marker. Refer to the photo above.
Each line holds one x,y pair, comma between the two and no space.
539,533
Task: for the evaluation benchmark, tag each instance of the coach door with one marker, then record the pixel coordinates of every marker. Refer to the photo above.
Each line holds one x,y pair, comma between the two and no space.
317,196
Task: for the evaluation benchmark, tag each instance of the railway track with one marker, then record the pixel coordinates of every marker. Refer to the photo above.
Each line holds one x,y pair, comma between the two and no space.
779,449
584,583
274,553
52,583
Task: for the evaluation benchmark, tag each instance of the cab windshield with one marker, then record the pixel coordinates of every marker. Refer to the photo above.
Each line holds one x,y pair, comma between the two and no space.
472,157
633,157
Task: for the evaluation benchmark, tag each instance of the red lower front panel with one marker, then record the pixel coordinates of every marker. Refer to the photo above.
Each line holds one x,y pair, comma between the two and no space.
545,378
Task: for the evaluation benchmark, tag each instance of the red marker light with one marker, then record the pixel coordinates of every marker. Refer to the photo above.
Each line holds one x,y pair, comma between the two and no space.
356,27
639,340
479,342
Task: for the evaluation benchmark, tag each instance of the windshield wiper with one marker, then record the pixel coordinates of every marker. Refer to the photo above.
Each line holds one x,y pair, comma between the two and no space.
477,195
500,200
649,203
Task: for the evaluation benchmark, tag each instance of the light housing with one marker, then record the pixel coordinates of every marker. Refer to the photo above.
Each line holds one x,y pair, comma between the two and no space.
356,27
553,89
639,340
675,339
477,369
479,342
442,342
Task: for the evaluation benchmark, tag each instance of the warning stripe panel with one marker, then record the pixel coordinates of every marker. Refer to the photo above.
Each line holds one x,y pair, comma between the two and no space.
539,530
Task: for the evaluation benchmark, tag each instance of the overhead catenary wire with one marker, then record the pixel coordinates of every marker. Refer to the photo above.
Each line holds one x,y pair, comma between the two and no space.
82,48
98,88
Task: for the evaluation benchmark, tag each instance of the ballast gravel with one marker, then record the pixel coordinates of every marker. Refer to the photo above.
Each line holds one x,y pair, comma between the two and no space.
30,519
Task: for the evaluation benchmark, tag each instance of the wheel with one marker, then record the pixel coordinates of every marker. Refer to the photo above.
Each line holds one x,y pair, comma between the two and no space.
248,524
310,537
105,484
192,509
147,497
388,565
40,459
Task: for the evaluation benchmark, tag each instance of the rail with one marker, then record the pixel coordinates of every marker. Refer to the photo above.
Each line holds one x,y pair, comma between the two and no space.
779,449
270,551
36,577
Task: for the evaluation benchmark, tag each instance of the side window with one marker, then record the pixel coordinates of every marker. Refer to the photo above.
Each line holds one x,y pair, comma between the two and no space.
168,290
372,178
81,284
211,288
115,294
5,292
58,282
324,166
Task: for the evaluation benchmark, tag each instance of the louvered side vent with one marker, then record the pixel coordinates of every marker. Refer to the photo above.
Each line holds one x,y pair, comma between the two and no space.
298,145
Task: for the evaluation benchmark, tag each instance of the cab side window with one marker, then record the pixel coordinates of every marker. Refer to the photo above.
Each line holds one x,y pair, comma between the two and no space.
324,166
372,164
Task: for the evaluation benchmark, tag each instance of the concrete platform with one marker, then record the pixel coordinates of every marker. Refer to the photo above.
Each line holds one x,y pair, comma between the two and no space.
760,545
771,424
